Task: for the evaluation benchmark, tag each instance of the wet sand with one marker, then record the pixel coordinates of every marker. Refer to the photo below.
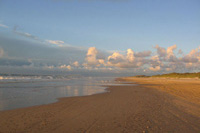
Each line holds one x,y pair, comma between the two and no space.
156,105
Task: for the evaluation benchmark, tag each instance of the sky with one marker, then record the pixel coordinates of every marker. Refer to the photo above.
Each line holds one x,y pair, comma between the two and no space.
100,36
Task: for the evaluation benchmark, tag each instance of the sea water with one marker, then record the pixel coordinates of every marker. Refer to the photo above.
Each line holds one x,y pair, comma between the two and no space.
24,91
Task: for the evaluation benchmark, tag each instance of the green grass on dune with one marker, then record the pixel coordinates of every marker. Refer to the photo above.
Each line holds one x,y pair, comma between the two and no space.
179,75
172,75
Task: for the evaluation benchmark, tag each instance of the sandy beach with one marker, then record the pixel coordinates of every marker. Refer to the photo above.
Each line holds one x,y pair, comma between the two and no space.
154,105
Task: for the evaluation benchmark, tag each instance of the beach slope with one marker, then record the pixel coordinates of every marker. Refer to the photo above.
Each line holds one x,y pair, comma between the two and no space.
147,107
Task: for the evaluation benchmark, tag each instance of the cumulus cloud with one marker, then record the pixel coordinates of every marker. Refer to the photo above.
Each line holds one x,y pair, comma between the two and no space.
194,53
92,59
124,61
143,54
3,26
161,59
170,53
65,67
130,55
170,61
156,68
170,50
48,67
115,59
164,60
161,51
76,64
167,54
91,56
69,67
189,59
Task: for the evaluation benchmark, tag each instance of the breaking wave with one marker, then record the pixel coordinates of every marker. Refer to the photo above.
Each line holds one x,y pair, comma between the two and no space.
36,77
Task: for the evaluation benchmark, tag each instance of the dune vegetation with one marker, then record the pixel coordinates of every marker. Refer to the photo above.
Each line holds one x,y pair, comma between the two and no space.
179,75
173,75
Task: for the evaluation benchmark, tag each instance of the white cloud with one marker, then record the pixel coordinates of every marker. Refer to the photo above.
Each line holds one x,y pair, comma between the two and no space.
170,50
65,67
125,61
101,61
167,54
76,64
170,53
156,68
130,55
192,58
165,59
143,54
169,69
189,59
91,56
161,51
3,26
69,67
57,42
115,58
48,67
160,60
195,53
155,58
92,59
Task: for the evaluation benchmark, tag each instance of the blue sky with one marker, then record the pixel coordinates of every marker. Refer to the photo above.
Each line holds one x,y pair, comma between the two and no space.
114,25
108,25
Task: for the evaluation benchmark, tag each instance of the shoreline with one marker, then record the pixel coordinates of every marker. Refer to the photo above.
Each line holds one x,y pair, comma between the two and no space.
19,98
104,90
142,108
59,99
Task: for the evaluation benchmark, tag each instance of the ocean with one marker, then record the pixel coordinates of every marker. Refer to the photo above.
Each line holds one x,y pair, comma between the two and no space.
18,91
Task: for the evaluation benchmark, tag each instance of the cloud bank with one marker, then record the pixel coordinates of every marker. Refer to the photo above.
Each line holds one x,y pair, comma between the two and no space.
3,26
162,60
42,54
1,52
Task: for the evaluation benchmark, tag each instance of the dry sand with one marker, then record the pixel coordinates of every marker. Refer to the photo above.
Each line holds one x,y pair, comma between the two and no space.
156,105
